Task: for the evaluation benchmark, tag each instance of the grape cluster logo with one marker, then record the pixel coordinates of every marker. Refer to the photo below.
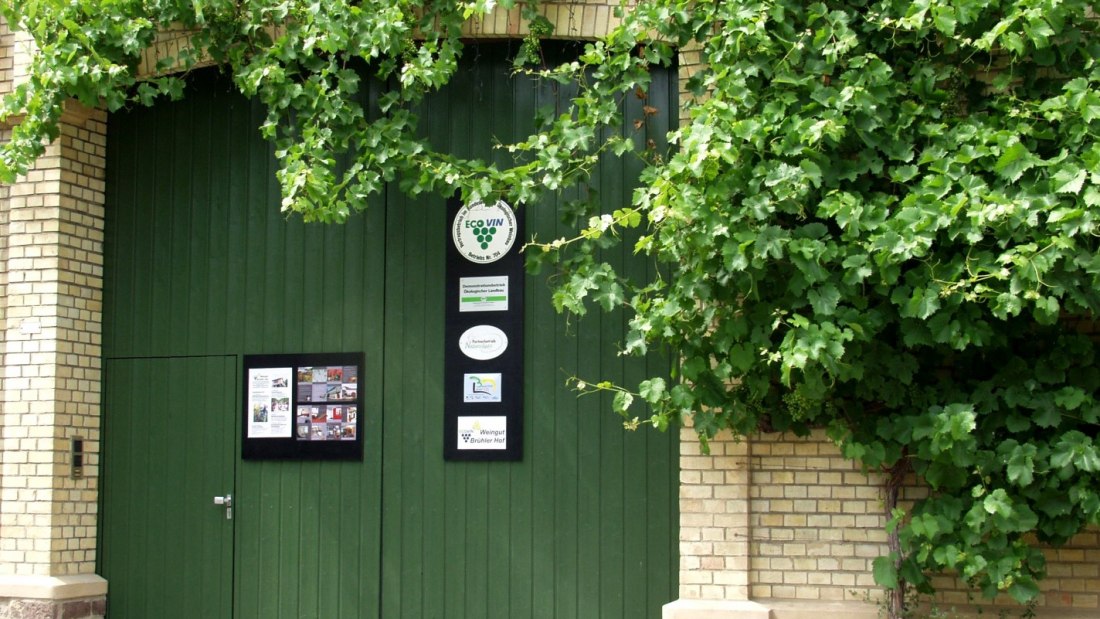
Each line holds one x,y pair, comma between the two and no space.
484,233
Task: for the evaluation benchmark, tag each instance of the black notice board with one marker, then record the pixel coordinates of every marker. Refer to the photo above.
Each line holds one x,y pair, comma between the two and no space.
483,356
302,407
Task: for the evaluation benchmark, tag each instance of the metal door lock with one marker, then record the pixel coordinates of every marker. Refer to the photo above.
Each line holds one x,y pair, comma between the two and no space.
227,501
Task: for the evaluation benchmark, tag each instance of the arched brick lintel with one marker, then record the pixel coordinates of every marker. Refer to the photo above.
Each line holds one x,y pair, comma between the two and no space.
573,21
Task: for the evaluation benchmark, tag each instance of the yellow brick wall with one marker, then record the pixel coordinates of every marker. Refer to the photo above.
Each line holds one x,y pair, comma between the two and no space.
52,274
51,237
7,57
691,62
578,20
15,49
714,518
805,525
1072,583
816,522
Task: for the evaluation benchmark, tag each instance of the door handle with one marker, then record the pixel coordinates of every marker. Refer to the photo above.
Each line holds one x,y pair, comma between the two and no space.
227,501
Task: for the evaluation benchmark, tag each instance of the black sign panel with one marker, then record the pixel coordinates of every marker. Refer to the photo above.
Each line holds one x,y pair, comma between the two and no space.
483,359
302,406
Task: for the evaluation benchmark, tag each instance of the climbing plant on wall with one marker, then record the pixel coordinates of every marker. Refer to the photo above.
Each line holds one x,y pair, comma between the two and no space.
879,217
303,59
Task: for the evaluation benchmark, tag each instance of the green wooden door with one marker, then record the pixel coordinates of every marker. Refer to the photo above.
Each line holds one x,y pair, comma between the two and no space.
166,548
199,264
199,261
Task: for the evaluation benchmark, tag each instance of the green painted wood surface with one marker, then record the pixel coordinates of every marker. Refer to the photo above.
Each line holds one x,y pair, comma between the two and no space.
165,548
200,262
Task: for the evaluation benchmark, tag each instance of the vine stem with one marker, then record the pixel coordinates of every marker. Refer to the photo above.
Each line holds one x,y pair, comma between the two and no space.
895,475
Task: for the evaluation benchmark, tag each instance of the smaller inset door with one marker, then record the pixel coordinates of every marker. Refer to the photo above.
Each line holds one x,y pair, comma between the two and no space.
169,445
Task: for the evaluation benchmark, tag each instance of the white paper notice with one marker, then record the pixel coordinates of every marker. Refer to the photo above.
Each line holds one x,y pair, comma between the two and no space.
483,294
268,411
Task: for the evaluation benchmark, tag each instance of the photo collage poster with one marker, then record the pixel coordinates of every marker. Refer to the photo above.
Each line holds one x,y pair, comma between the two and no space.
327,403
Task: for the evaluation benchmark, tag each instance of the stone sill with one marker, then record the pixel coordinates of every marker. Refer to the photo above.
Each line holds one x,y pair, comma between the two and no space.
52,587
814,609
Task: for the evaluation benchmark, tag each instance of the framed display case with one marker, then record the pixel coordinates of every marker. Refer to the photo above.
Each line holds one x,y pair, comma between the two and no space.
302,406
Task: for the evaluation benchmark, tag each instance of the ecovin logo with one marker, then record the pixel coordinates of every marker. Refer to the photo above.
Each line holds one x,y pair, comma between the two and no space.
484,233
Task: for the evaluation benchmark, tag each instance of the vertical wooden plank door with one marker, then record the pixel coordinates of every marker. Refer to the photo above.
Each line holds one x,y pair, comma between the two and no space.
200,262
169,437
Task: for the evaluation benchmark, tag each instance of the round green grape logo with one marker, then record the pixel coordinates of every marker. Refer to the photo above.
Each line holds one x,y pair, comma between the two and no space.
484,233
